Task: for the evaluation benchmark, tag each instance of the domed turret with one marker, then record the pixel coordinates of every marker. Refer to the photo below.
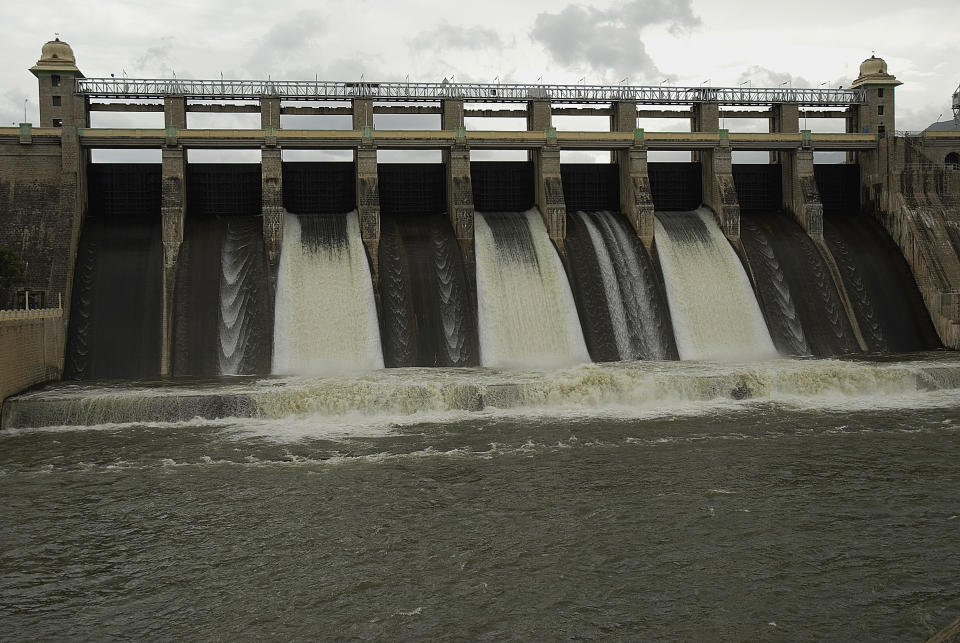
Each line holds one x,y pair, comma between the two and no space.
873,71
56,55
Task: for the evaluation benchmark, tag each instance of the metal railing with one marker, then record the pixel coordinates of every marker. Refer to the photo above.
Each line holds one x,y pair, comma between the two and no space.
470,92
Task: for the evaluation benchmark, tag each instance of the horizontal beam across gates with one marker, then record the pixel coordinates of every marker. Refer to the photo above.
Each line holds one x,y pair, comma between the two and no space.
440,139
467,92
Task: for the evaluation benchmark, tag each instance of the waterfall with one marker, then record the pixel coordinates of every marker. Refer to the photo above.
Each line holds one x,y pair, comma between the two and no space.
325,313
638,315
428,317
715,313
525,309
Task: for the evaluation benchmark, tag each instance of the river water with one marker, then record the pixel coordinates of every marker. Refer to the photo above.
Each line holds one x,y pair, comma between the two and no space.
783,501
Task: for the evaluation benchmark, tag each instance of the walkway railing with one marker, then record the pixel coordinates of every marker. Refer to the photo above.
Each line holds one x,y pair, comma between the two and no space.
36,313
470,92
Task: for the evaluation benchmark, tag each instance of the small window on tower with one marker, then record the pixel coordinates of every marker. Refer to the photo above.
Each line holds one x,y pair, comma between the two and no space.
881,129
56,101
55,80
879,110
880,93
58,122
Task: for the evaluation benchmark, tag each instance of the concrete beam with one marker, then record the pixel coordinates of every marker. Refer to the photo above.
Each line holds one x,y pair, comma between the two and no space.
173,212
125,107
318,111
495,113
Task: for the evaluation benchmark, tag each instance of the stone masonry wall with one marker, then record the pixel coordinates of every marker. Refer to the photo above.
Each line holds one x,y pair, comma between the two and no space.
31,223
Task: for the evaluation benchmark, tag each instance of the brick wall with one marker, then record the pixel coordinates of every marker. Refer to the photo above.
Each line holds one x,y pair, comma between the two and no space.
31,349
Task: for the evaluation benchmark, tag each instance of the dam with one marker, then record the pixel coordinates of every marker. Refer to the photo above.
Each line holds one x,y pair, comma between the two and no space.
197,269
504,395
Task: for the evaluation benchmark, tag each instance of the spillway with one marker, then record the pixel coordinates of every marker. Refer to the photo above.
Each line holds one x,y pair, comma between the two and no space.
428,315
525,310
115,314
222,312
804,310
619,297
881,288
715,313
325,314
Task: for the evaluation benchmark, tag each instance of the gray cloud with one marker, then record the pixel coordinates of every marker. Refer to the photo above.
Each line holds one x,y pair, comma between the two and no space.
156,61
760,76
287,44
447,36
607,41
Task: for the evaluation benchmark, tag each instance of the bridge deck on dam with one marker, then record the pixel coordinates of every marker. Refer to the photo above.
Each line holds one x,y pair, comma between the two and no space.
420,139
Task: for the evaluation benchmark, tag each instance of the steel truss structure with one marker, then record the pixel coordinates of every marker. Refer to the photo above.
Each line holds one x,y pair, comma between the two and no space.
468,92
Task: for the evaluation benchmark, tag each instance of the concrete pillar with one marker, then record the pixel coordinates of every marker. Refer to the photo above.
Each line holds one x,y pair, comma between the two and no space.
785,120
538,115
271,168
623,119
705,118
368,202
460,196
362,113
269,113
175,112
719,191
173,211
549,190
451,114
636,200
801,198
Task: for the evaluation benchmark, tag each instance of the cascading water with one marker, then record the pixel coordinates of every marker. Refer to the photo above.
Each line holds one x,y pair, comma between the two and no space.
715,313
526,315
776,299
115,315
325,312
639,320
881,288
222,315
243,340
796,287
428,316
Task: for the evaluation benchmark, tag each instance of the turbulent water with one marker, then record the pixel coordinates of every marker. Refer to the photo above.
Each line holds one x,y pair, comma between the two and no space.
222,312
428,315
525,310
325,312
620,300
715,313
803,307
778,500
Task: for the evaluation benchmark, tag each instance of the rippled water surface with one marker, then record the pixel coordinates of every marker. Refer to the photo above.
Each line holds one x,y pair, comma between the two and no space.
796,513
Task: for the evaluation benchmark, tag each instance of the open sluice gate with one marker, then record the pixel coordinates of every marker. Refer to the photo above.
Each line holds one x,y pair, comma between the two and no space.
513,302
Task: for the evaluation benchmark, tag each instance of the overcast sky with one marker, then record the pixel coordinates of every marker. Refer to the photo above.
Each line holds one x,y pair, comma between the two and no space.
685,42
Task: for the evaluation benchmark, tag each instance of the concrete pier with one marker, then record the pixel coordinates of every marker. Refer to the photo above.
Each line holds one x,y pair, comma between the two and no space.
456,162
636,200
719,190
271,166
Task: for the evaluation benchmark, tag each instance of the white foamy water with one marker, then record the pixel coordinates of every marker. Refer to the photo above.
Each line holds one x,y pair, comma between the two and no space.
714,310
376,403
525,309
236,261
326,315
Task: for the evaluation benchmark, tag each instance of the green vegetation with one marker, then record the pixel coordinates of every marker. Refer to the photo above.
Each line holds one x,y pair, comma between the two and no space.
11,268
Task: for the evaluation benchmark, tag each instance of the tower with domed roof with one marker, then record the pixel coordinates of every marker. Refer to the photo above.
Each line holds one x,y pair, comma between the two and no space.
876,115
56,73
